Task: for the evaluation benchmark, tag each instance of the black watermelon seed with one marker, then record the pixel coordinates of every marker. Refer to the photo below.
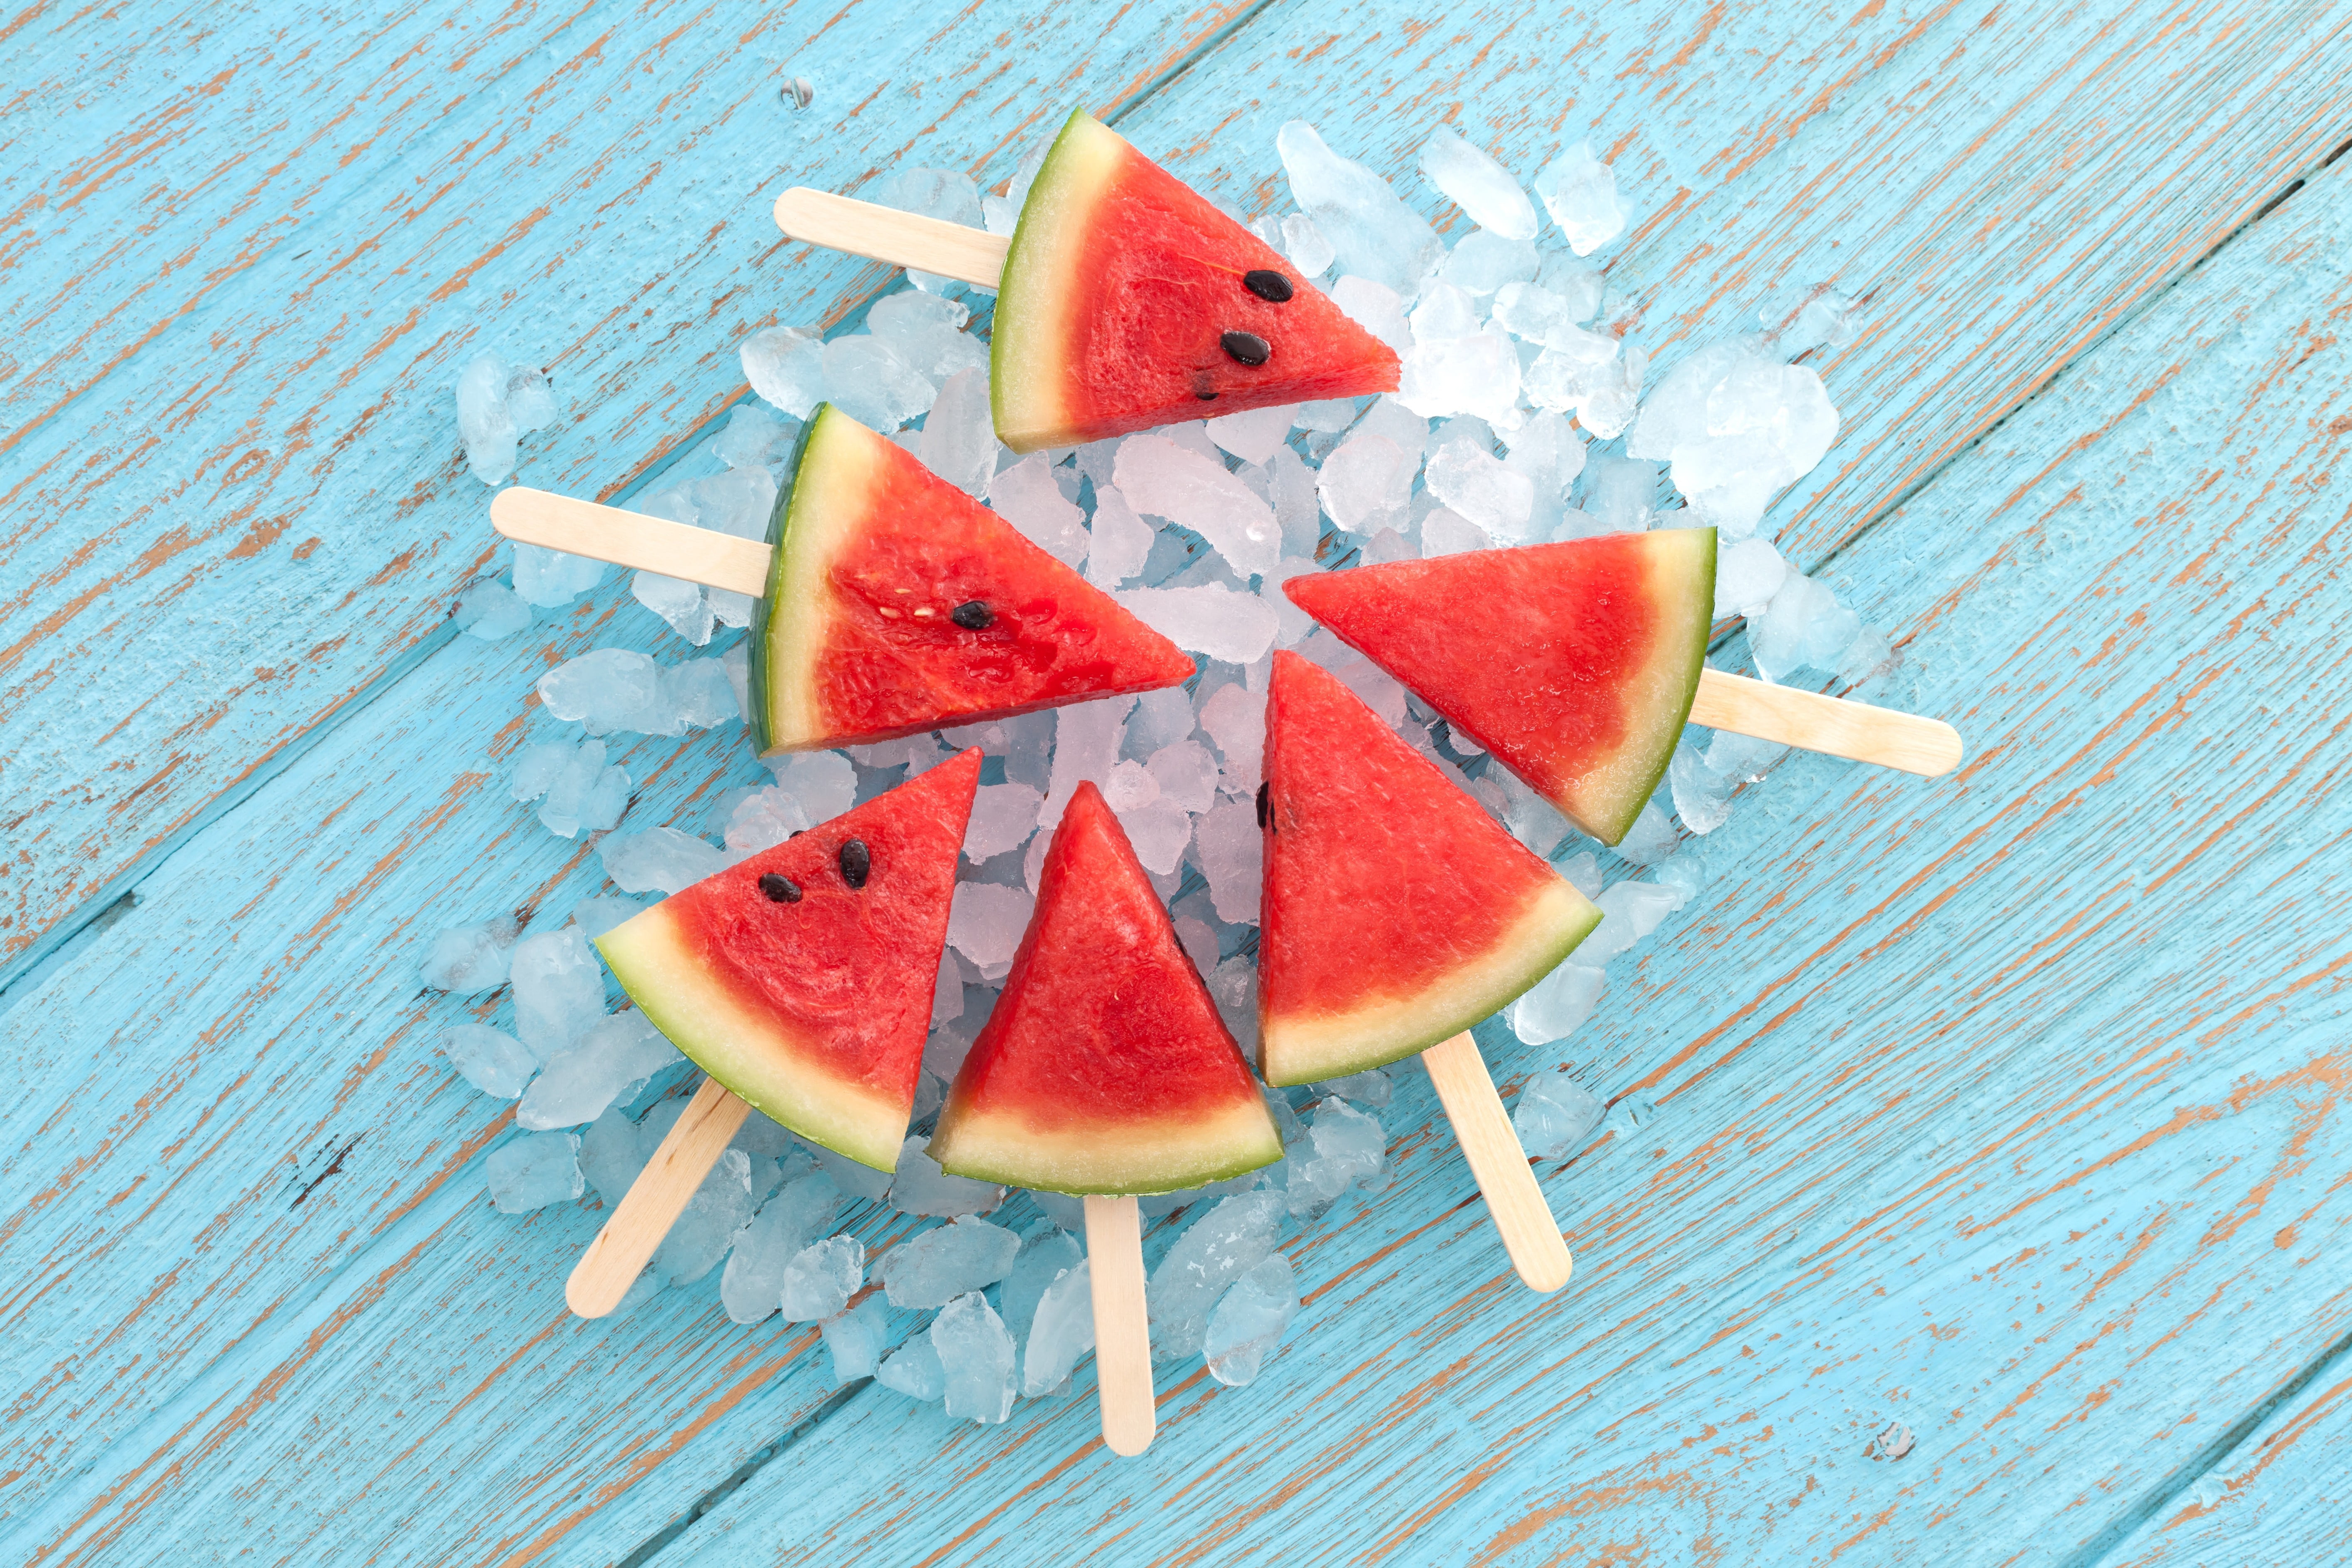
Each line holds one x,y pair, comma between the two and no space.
1264,805
1246,347
1206,397
857,862
973,615
1267,284
780,889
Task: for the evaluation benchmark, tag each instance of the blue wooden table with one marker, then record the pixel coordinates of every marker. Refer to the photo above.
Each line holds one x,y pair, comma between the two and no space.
2009,1107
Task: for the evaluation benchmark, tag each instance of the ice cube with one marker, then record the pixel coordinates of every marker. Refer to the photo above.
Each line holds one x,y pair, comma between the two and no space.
1120,542
921,1187
613,1152
1162,478
1376,308
914,1370
1476,486
559,992
1186,773
1304,244
934,1267
865,379
1621,493
531,1172
985,922
606,689
491,610
1804,626
1748,573
490,1059
1254,433
659,858
551,578
959,433
855,1339
1447,533
855,1178
927,332
1230,850
468,959
1003,213
1553,1007
786,367
1060,1331
752,435
1161,718
1651,840
497,404
1630,912
763,820
945,193
1575,368
824,782
802,1210
1555,1114
1249,1321
1046,1254
707,1226
822,1277
1701,795
1578,282
1580,193
576,1084
1372,1087
976,1354
1350,1154
1085,744
1370,229
1484,262
1365,483
1026,497
1216,1249
1743,757
1207,618
1738,426
1003,817
1535,313
1158,830
1476,184
1477,374
1444,311
678,602
586,791
1234,718
1128,785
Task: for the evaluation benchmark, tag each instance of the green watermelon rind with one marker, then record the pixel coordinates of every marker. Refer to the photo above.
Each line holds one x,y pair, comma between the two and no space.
1556,919
779,524
1016,1155
1027,289
754,1059
1696,630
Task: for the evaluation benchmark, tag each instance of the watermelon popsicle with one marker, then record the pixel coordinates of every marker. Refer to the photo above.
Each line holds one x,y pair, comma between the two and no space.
891,603
800,981
1576,665
1125,300
1394,914
1104,1071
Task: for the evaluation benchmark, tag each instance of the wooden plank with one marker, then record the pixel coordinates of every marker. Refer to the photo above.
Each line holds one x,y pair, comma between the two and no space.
2277,1498
316,993
2007,1109
220,539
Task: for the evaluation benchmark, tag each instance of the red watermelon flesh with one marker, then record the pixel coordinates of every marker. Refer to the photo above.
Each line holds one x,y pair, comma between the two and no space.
857,639
1118,297
1396,913
813,1007
1575,664
1104,1067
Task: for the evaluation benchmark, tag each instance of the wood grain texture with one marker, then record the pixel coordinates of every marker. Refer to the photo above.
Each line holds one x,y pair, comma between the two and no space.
2279,1499
2000,1091
884,234
1122,1329
216,540
1836,727
1514,1198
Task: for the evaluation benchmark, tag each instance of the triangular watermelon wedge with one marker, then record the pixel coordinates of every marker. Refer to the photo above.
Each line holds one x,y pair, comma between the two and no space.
1574,664
1128,301
804,992
1396,913
897,604
1104,1067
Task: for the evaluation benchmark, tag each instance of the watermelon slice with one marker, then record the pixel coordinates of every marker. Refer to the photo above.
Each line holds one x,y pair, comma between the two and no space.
1128,301
1574,664
1104,1067
802,986
1395,913
897,604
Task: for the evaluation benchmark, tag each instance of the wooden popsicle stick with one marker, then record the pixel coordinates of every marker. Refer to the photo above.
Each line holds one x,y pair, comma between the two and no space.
886,234
653,1201
1734,702
1831,724
1513,1197
631,539
1122,1324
